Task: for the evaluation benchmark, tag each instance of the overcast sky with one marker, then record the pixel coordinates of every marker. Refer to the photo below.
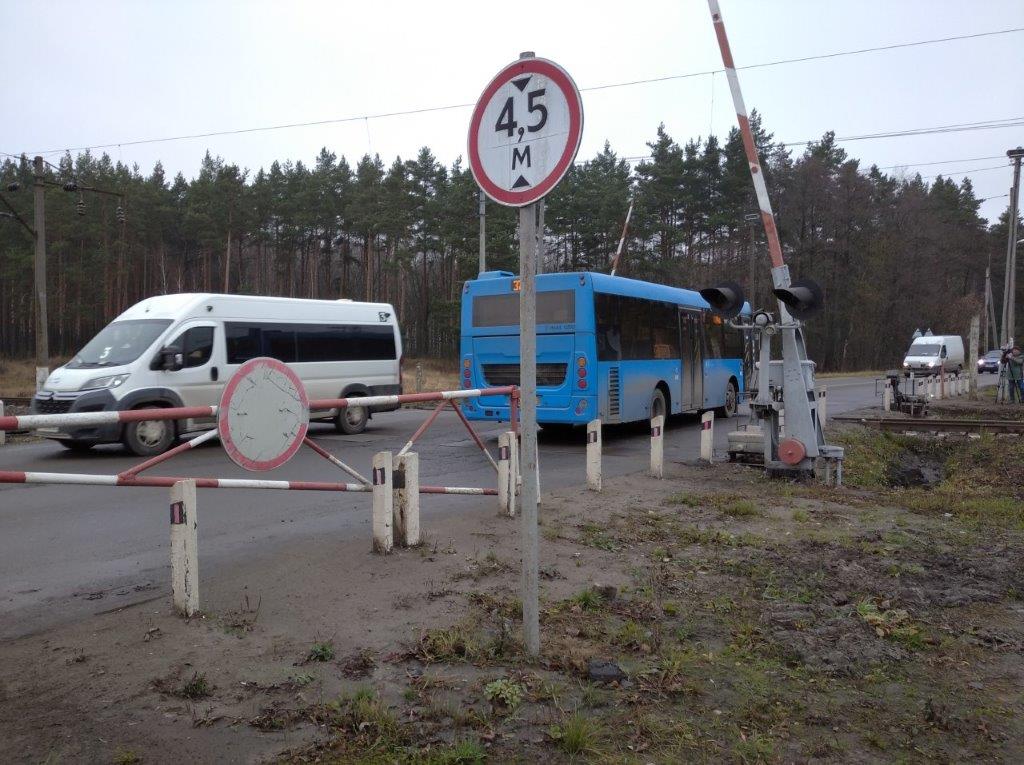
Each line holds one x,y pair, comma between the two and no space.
87,73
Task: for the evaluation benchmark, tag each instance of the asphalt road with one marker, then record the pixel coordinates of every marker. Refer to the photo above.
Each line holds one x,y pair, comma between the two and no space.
69,551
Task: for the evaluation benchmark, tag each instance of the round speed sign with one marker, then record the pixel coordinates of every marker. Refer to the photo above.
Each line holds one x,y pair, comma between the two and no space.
525,131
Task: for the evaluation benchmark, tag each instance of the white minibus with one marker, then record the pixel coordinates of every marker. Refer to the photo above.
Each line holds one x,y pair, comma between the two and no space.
179,350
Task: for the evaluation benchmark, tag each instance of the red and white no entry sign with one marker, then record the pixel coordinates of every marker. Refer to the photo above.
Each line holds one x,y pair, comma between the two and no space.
525,131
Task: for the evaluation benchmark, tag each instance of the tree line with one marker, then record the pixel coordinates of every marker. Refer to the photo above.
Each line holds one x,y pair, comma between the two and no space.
893,252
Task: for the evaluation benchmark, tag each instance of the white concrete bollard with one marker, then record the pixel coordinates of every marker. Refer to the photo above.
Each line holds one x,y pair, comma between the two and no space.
707,436
506,474
823,405
658,446
3,433
594,455
184,548
383,503
887,398
405,480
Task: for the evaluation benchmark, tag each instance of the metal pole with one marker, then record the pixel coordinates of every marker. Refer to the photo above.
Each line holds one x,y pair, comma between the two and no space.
483,231
1011,248
528,245
42,336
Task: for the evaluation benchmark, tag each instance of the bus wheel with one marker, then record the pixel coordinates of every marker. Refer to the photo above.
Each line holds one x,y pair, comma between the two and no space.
658,403
732,400
352,420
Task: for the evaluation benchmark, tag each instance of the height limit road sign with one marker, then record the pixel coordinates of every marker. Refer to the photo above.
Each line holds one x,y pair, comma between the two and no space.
525,131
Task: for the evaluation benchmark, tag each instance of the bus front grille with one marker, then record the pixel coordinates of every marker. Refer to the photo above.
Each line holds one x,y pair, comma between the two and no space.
548,375
613,392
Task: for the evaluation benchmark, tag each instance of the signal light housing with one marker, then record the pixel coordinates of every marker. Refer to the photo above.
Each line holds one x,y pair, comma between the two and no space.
803,298
726,299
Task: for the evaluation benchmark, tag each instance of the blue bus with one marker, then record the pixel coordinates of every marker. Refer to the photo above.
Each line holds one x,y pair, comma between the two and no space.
609,347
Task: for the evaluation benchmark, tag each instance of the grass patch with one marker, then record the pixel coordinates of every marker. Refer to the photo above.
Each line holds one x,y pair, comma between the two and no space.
321,651
577,735
741,508
196,688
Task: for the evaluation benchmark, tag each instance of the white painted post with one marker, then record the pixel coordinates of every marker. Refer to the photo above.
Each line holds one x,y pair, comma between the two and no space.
506,474
3,433
383,503
184,548
887,397
972,358
657,446
515,483
707,436
406,480
823,405
594,455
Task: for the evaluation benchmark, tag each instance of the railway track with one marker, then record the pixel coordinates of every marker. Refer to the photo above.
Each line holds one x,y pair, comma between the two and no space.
16,400
936,425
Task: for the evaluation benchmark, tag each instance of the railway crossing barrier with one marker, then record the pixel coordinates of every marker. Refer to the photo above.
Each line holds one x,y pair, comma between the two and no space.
272,391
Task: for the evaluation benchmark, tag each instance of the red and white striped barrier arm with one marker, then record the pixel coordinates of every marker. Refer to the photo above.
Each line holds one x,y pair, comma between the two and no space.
84,479
767,218
81,419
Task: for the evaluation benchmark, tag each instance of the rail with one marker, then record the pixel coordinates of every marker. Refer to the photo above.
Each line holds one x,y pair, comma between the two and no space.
936,425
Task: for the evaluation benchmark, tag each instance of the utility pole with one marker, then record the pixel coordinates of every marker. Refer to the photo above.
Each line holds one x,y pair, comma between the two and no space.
42,336
1010,281
752,220
483,231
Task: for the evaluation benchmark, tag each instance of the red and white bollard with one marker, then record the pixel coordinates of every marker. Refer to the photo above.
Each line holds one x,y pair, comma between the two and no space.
383,503
658,446
707,436
405,480
184,548
594,455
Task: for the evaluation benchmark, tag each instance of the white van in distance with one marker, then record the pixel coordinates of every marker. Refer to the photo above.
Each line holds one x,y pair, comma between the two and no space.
180,350
930,354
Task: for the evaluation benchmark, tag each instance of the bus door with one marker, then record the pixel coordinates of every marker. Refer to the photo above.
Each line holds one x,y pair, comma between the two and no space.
691,349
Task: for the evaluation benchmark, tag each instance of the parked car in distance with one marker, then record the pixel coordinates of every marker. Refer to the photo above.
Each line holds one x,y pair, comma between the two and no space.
990,362
931,354
180,350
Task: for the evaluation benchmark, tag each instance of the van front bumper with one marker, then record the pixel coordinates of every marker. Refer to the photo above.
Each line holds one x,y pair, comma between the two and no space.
59,402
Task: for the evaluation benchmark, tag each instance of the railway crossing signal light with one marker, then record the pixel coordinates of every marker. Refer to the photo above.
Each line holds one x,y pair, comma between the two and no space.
726,299
804,298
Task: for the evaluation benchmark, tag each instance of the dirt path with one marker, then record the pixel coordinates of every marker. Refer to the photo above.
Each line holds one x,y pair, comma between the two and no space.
710,616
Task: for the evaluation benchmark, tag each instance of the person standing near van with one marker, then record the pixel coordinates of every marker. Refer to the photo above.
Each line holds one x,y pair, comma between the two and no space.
1014,361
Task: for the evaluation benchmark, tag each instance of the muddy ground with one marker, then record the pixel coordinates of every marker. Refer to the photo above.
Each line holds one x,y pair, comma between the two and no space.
711,616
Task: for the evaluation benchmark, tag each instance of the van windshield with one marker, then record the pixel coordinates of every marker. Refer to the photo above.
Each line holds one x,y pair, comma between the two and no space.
924,349
120,342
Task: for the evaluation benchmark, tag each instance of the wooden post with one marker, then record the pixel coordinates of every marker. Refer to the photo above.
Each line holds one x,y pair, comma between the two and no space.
594,455
184,548
972,359
383,503
406,482
707,436
658,446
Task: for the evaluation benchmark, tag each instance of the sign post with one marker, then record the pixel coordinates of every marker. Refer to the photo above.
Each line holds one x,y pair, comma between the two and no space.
523,137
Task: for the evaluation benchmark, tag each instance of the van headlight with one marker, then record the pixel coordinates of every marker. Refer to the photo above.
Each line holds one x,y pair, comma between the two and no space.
110,381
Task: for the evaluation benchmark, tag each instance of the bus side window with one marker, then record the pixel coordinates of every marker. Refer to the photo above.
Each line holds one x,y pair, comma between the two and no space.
713,336
665,320
606,320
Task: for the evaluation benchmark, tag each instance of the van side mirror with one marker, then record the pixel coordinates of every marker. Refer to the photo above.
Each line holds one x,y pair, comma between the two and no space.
171,358
943,351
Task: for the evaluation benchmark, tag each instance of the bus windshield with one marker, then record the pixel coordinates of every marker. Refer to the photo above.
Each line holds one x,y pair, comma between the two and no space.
120,342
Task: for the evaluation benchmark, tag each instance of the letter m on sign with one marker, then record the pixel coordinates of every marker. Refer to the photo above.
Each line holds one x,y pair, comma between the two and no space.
522,157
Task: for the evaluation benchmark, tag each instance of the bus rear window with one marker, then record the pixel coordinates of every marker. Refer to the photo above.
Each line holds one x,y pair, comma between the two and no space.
557,307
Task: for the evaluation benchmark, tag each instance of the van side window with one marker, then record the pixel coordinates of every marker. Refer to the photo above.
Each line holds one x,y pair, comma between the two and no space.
310,342
196,345
243,342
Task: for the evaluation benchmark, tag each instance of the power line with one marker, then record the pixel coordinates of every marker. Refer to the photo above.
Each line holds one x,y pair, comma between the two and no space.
940,162
955,128
448,107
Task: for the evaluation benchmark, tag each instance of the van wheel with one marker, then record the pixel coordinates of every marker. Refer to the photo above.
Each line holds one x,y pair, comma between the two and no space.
76,446
658,403
732,402
352,420
149,437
